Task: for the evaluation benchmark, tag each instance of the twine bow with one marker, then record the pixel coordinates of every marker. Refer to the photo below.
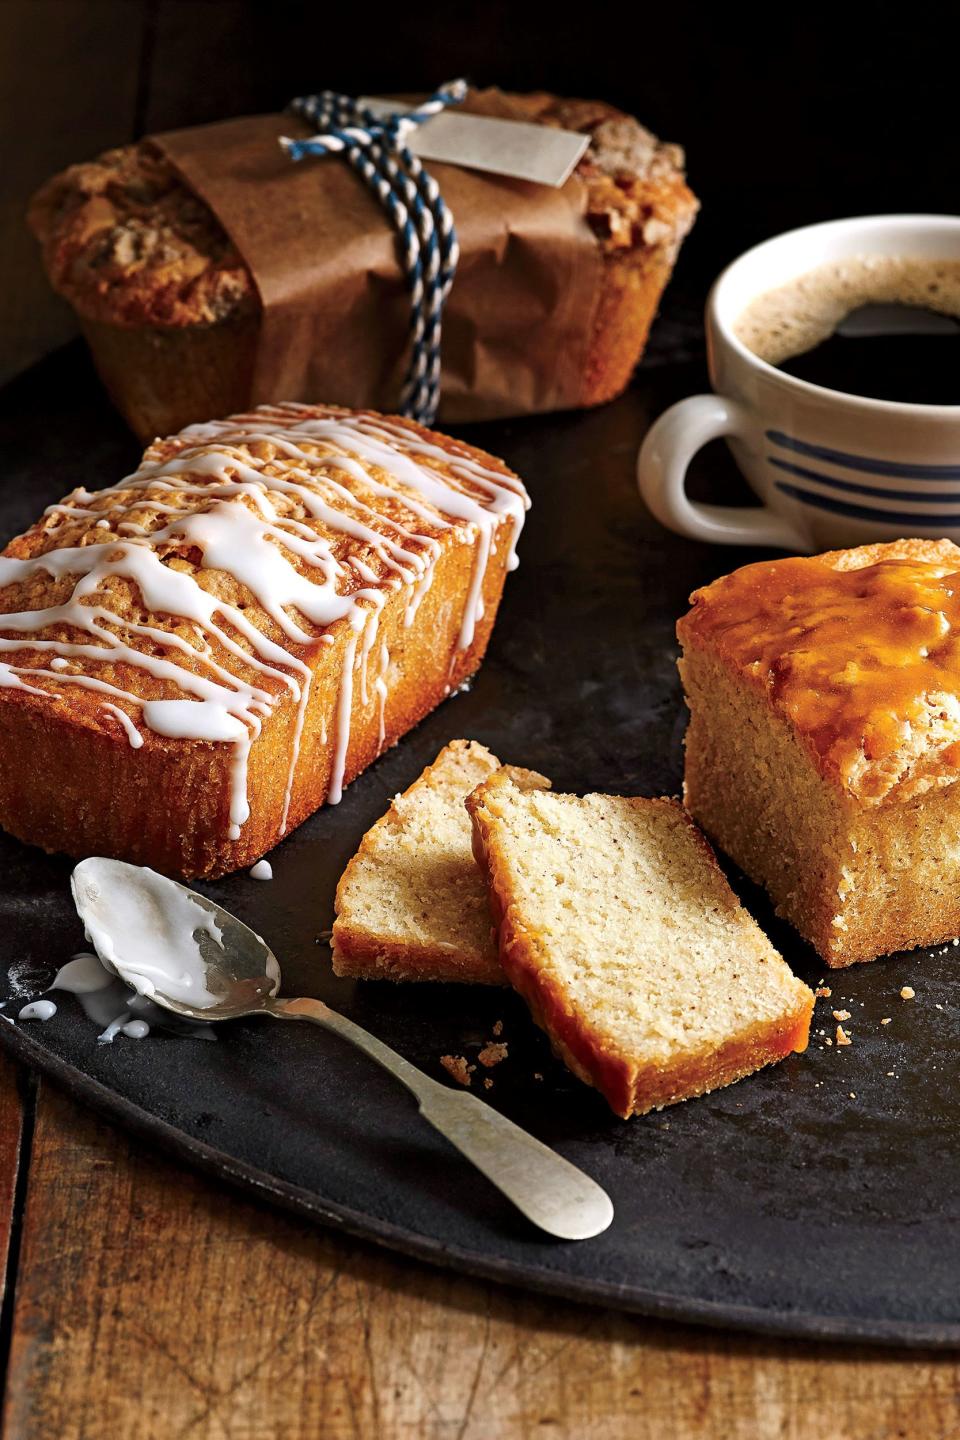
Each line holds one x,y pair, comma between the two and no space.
376,147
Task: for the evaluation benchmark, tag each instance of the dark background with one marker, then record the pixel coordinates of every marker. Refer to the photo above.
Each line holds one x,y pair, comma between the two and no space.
788,113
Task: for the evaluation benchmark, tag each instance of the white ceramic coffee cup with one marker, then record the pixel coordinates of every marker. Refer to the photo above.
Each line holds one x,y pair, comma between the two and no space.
830,469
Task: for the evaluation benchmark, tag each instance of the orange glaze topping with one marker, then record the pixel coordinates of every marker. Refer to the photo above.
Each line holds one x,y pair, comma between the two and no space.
864,663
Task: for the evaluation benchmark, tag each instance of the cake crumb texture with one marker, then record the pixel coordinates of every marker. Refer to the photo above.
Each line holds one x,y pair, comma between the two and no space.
457,1067
619,930
411,904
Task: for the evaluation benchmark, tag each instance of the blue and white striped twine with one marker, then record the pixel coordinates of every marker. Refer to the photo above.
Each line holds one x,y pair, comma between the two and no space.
376,148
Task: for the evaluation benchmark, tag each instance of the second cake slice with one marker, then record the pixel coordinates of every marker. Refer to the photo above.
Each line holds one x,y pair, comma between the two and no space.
620,931
412,905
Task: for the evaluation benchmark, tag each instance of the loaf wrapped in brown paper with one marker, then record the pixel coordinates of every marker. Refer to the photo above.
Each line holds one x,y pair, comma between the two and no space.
209,273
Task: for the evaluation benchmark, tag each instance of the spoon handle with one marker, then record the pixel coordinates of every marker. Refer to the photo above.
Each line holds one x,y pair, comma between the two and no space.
548,1190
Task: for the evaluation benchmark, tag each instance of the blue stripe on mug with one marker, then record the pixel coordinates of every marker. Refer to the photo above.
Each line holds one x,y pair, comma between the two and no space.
864,512
921,497
904,471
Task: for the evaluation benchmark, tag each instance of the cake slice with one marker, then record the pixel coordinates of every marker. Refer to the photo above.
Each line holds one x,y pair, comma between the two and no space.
412,905
618,928
823,751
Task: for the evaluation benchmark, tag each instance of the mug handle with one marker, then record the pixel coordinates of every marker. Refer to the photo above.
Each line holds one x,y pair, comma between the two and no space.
671,444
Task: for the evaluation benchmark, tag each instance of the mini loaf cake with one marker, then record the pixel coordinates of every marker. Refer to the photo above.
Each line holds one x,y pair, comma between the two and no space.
823,751
618,928
171,311
193,660
412,905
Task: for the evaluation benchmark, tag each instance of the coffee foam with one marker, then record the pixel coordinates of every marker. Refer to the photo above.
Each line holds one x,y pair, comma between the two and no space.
797,316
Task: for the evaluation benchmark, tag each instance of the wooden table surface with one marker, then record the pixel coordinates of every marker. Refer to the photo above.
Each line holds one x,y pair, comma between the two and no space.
145,1301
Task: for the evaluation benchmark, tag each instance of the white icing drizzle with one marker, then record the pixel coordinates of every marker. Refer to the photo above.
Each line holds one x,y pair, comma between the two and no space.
133,734
38,1010
263,870
369,636
416,597
115,1028
380,686
344,710
107,1001
233,516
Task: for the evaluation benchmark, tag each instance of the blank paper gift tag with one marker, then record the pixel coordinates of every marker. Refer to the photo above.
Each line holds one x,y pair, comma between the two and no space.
503,147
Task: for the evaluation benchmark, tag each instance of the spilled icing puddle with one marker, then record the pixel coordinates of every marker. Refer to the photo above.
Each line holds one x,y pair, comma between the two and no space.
111,1004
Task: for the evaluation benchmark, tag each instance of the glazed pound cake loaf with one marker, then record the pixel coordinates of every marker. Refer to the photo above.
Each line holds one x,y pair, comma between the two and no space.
171,309
823,752
193,660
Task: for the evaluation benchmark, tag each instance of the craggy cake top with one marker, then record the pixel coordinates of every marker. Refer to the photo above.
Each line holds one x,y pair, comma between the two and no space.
127,243
859,650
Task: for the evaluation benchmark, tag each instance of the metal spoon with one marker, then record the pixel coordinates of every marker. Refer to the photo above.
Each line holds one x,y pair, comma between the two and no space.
133,915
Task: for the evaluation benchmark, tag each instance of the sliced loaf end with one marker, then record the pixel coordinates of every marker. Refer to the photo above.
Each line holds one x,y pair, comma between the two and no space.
619,929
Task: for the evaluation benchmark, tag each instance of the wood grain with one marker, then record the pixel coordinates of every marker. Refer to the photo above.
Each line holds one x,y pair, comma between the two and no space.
151,1303
11,1139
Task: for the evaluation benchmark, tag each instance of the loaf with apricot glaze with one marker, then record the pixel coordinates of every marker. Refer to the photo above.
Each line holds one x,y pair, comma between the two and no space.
823,751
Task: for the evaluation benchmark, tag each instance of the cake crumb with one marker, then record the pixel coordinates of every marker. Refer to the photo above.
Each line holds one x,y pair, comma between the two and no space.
487,1083
853,1095
907,993
537,1075
491,1055
823,992
456,1065
842,1037
497,1027
841,1014
885,1020
828,1041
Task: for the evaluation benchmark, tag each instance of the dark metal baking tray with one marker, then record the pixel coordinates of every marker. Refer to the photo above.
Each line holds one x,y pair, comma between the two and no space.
821,1197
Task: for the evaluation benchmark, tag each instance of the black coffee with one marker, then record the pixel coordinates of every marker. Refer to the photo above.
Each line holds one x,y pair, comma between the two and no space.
916,360
883,326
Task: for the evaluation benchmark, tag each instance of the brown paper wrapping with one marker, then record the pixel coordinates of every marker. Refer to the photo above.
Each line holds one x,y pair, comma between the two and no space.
334,304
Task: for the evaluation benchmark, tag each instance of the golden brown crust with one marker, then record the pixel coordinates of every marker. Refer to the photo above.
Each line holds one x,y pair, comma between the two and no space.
640,208
630,1087
70,781
127,243
362,956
